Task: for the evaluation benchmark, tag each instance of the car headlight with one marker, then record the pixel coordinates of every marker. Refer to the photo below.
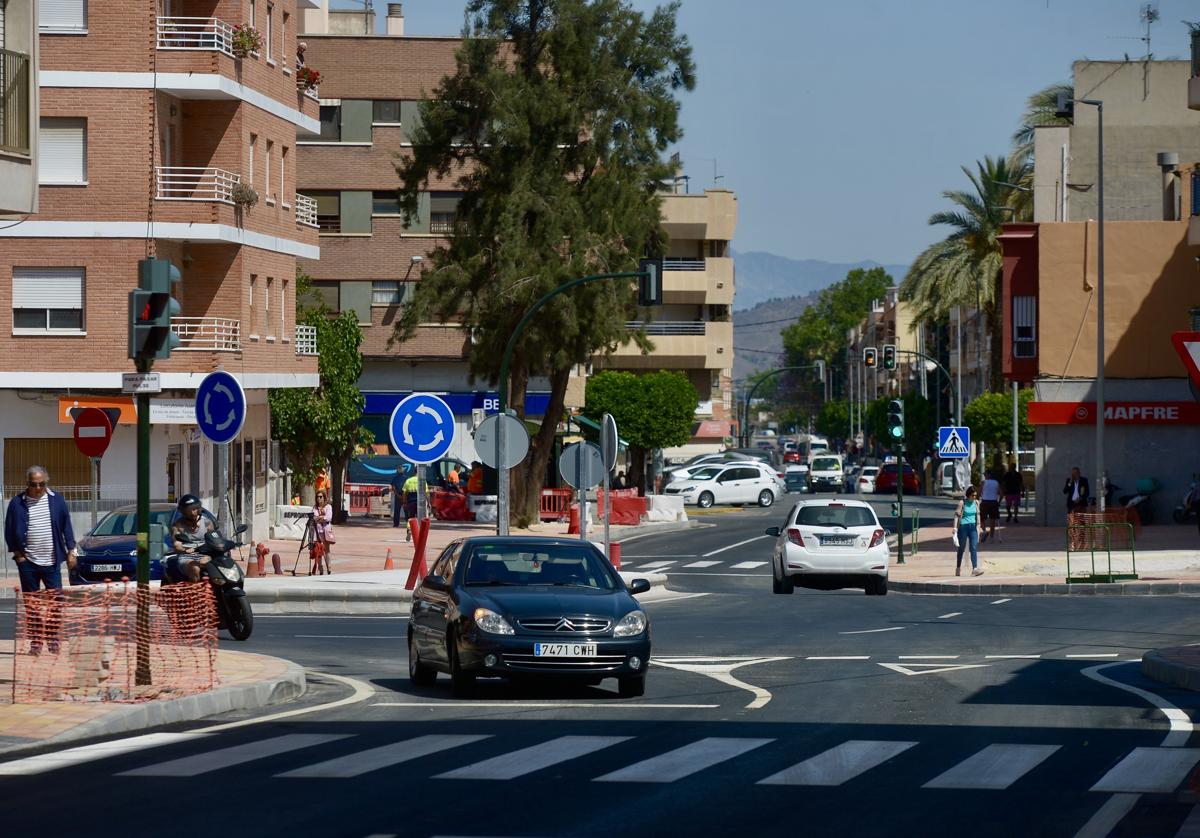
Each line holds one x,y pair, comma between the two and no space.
687,490
233,574
633,623
491,622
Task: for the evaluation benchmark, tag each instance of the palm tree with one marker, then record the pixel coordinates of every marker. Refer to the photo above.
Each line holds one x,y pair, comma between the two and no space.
1039,111
964,269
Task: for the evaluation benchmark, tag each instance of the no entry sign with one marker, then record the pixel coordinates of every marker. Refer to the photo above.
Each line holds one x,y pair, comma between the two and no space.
93,432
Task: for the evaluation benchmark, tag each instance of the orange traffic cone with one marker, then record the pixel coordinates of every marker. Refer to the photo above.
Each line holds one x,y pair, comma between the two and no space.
388,564
251,568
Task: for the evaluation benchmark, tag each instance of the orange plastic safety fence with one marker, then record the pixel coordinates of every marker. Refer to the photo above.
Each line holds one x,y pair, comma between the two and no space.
1122,536
82,643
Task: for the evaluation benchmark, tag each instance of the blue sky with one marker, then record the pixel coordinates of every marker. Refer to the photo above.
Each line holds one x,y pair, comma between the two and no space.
839,123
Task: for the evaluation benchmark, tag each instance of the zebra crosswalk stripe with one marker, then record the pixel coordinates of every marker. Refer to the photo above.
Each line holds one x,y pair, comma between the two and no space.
996,767
838,764
363,762
91,753
1149,770
702,564
534,758
683,762
203,763
747,565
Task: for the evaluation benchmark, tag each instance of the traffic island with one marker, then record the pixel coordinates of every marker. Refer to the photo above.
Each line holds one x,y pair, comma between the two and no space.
1178,666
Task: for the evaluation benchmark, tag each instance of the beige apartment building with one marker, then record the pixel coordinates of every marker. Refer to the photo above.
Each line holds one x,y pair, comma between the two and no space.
152,124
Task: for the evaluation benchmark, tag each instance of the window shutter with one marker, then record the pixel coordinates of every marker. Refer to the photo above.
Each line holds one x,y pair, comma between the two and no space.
62,145
48,288
62,14
1024,327
444,202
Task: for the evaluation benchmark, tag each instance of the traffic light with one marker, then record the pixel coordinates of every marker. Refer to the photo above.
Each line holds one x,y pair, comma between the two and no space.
889,356
869,357
819,365
896,419
1064,108
650,283
151,308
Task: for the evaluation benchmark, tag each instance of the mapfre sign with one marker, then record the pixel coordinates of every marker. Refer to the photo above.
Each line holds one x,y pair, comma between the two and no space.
1115,413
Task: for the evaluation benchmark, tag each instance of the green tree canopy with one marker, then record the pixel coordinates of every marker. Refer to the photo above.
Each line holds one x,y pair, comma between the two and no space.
990,417
820,332
652,411
553,129
833,420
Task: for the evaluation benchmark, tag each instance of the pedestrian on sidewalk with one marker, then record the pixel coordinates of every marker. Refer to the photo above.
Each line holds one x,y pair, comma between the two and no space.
323,520
397,484
1077,492
411,487
37,530
966,531
1014,490
989,506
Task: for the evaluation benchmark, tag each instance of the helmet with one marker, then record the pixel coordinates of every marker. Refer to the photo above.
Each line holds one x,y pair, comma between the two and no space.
188,501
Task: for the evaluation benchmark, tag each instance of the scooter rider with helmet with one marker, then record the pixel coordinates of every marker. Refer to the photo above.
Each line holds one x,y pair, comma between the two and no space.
187,536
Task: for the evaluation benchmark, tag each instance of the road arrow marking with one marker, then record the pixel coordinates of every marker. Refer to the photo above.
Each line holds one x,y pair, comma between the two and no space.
930,668
874,631
721,669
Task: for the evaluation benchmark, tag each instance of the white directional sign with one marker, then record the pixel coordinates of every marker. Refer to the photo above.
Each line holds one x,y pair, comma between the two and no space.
954,442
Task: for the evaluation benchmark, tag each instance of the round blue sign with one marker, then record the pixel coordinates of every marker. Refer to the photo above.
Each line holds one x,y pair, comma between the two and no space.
422,428
220,407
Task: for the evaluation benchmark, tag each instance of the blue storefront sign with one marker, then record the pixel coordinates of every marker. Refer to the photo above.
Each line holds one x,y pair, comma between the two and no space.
460,403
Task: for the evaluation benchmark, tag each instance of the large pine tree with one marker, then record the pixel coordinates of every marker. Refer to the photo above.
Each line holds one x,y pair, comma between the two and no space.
554,128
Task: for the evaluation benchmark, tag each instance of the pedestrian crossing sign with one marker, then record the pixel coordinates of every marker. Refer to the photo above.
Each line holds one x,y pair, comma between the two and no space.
954,442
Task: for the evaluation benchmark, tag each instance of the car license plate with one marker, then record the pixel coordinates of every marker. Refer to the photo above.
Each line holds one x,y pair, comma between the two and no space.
564,650
107,568
837,540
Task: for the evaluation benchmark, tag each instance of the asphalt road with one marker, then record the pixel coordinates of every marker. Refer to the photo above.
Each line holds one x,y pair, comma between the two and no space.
820,713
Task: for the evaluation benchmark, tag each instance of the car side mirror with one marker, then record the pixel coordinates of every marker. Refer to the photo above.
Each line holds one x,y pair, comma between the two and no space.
241,529
639,586
435,582
773,532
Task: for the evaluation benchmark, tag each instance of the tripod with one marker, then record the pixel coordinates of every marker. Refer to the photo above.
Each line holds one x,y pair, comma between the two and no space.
314,540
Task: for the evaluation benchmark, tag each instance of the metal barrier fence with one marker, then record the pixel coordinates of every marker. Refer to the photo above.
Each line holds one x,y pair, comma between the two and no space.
81,643
1101,536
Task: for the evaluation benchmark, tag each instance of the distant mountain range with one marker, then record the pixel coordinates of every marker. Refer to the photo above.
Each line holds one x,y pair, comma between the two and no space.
764,276
773,290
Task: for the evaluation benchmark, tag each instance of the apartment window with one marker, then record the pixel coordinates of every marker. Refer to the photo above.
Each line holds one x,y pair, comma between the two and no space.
329,211
62,15
1024,327
47,300
385,203
250,168
253,13
283,156
270,32
63,149
283,293
250,307
331,123
329,294
267,324
387,292
267,172
385,112
443,209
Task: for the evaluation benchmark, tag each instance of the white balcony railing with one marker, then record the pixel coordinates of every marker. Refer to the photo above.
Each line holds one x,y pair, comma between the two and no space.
195,33
683,264
306,340
306,210
195,183
670,327
207,334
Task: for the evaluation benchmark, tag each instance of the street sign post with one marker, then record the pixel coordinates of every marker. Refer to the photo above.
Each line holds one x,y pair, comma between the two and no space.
93,432
581,464
421,431
608,449
488,441
954,442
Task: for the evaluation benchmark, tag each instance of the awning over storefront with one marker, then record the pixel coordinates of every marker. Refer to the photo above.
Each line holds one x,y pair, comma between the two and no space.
711,429
127,413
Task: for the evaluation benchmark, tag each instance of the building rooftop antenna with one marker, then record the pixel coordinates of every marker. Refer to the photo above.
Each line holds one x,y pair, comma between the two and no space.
1148,14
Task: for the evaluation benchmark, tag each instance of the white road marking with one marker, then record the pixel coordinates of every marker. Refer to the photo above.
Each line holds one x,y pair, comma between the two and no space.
671,596
839,764
740,575
543,705
702,564
372,759
352,636
665,556
996,767
1107,816
1002,601
930,668
1181,723
927,657
838,658
654,565
1095,655
90,753
324,617
951,614
683,762
747,565
534,758
1190,828
722,670
362,691
874,631
196,764
731,546
1149,770
1003,657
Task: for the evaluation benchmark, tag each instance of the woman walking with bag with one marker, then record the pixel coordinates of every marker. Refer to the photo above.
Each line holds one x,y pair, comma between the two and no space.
966,531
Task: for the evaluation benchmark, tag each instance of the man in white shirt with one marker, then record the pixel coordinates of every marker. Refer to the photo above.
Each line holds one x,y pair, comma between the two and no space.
989,507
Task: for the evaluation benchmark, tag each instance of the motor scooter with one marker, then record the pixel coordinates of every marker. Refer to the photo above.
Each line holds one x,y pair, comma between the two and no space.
1190,505
227,579
1142,501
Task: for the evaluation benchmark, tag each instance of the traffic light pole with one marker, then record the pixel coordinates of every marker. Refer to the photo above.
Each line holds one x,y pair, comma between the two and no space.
750,396
900,505
943,370
142,673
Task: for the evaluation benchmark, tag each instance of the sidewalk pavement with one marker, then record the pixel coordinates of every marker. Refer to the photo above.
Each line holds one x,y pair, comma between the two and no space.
1027,559
246,681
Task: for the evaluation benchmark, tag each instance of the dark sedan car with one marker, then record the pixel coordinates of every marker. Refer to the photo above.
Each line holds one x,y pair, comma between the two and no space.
527,606
109,552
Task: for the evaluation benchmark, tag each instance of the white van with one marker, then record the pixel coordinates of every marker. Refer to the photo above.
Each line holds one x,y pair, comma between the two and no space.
825,473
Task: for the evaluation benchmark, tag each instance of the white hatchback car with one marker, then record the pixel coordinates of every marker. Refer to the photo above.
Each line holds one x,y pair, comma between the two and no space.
830,543
730,483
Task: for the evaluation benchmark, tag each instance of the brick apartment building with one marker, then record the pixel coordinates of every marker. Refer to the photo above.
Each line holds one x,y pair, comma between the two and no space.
148,123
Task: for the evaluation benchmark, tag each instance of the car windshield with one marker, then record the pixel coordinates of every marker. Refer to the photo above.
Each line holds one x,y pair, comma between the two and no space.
125,523
868,471
826,464
835,515
707,473
521,565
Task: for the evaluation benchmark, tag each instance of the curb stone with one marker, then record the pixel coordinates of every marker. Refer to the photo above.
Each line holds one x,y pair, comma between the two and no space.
1157,667
125,718
1049,588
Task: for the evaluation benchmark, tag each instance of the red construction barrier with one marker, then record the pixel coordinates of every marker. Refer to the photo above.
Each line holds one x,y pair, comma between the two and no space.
627,509
361,494
420,531
451,506
555,504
